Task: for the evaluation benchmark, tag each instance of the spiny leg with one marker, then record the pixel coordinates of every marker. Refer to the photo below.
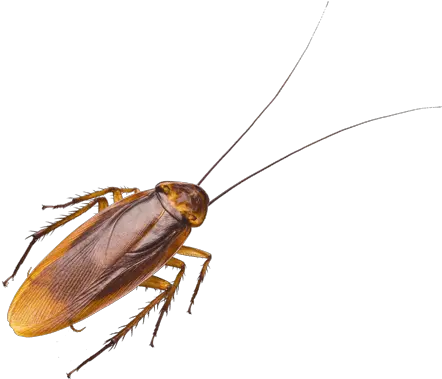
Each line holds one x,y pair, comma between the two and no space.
172,262
102,203
156,283
192,252
117,193
152,282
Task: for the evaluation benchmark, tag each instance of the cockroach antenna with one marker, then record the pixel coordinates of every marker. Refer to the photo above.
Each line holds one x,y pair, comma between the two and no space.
271,101
315,142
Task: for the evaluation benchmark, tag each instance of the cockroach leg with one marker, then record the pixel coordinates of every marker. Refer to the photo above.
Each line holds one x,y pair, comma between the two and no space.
118,196
156,283
102,203
77,330
152,282
172,262
192,252
117,193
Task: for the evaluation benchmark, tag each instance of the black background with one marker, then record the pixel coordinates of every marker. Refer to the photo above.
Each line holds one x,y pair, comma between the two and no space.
329,259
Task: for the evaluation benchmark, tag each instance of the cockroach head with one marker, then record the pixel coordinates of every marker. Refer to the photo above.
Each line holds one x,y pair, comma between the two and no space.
184,200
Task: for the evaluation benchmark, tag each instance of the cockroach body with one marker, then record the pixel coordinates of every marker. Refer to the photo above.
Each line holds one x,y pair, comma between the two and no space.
108,256
118,250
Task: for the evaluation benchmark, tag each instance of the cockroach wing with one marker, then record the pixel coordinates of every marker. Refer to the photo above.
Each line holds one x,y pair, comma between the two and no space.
101,261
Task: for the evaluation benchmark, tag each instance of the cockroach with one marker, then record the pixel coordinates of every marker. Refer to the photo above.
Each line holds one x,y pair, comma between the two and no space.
120,248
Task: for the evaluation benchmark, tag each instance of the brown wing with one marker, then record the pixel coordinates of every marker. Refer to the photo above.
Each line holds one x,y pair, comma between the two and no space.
101,261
